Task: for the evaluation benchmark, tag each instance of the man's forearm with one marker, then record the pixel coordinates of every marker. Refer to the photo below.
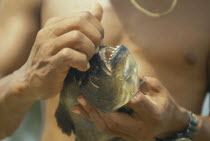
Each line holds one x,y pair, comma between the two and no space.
203,133
19,24
14,103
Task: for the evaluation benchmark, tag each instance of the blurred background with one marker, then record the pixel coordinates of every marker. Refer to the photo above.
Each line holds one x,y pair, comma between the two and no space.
31,127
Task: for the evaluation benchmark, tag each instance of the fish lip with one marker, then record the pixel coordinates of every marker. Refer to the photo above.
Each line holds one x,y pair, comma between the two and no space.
115,54
118,53
111,59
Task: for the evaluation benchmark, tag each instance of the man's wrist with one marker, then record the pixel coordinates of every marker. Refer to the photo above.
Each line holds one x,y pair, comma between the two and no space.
178,121
14,103
182,120
187,133
19,87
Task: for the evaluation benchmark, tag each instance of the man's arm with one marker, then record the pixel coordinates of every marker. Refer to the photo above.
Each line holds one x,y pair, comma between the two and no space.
156,114
50,9
204,122
19,24
13,104
203,133
62,43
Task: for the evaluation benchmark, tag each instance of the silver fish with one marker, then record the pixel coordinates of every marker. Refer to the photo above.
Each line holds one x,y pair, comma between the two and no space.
109,85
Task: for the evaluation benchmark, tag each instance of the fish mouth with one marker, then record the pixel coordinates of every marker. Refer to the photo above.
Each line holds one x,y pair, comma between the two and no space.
111,56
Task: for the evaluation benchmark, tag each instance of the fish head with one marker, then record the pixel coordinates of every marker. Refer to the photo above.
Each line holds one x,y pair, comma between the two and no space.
112,79
108,85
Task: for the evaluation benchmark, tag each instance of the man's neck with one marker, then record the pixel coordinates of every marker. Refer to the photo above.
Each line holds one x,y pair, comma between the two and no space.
157,6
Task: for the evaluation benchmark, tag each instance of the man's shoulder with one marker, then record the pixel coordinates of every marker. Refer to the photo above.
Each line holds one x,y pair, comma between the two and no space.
56,8
69,5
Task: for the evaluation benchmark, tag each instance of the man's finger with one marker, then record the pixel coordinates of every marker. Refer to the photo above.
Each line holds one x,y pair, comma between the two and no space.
69,25
80,43
92,112
67,58
77,109
97,11
150,86
141,105
119,122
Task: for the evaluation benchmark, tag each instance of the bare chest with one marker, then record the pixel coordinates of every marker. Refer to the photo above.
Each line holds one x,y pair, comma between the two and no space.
184,31
174,48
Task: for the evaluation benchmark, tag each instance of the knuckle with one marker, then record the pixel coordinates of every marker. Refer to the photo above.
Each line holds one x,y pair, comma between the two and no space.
152,80
89,49
41,33
86,15
83,66
138,98
113,125
52,20
154,84
101,30
99,37
46,32
65,53
48,44
90,110
77,36
90,54
44,46
79,20
155,80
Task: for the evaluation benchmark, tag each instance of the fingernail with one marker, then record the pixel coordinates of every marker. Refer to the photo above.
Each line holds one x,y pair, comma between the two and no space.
82,101
97,49
88,65
76,111
142,81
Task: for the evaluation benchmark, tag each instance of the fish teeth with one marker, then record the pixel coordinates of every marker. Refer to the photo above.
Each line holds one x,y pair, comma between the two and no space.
117,47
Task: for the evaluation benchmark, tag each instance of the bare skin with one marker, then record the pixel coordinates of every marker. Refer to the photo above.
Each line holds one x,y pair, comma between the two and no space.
19,24
173,48
61,44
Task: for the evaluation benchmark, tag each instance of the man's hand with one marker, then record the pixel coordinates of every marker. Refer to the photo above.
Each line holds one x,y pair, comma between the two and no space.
62,43
155,114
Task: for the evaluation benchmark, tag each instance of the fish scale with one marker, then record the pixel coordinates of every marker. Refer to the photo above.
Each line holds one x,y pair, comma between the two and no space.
108,89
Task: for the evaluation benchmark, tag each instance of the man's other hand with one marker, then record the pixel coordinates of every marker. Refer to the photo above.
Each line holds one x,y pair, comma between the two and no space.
155,114
64,42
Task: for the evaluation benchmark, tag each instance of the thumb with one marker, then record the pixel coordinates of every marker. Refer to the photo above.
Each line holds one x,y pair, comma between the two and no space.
142,105
97,11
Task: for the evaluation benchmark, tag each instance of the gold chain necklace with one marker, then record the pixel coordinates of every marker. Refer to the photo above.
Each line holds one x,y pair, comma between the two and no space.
151,14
